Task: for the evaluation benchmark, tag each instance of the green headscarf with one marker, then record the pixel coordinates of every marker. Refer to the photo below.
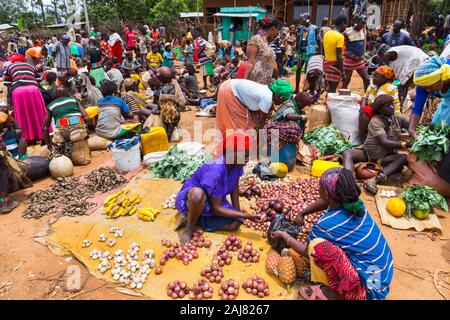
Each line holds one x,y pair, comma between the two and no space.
282,89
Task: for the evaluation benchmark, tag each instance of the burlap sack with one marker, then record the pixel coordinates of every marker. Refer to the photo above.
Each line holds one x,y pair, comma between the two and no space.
81,155
316,116
97,143
154,120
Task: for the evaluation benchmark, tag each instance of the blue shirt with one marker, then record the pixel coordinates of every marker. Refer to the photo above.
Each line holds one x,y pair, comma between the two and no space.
421,99
115,100
365,246
168,59
399,39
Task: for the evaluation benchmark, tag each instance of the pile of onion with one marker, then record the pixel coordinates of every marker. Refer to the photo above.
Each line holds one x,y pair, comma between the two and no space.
184,252
177,289
256,286
213,273
232,243
308,222
229,289
248,254
201,290
222,257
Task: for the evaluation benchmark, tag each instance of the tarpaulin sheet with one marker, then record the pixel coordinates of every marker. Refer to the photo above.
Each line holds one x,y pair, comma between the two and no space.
66,236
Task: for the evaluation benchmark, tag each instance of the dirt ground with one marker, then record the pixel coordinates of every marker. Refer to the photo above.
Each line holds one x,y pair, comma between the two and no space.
31,271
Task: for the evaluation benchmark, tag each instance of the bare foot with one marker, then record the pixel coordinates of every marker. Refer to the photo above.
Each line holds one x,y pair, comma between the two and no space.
187,234
181,224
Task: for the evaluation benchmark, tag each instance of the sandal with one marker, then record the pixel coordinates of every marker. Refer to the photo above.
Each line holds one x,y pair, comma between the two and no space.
9,206
371,186
312,293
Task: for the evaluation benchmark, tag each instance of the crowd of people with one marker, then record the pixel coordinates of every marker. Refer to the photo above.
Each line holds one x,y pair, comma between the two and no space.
130,81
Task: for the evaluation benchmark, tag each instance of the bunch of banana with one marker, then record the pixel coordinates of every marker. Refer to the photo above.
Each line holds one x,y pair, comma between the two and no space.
121,203
148,214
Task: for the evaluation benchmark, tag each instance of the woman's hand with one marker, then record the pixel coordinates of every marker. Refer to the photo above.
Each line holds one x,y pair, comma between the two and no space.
279,235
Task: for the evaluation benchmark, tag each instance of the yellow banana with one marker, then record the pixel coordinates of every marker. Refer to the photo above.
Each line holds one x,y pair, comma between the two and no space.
145,218
132,211
134,198
118,213
147,213
112,197
137,201
108,208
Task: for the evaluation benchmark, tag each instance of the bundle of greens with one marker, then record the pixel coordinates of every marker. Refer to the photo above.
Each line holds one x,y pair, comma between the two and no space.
432,144
178,165
420,200
329,140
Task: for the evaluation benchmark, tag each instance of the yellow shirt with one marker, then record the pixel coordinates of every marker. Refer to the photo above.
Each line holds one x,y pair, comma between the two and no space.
388,88
332,40
154,59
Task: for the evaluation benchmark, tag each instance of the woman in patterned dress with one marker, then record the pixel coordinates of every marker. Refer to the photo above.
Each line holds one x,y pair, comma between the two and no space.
261,58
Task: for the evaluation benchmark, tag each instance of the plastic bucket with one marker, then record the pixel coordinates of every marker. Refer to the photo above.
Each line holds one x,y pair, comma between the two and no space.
287,155
127,160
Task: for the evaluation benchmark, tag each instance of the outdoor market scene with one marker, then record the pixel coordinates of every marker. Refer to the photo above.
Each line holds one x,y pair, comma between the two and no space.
225,150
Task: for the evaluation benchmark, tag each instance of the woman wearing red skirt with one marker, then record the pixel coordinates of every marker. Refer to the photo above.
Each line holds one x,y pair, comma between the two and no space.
115,41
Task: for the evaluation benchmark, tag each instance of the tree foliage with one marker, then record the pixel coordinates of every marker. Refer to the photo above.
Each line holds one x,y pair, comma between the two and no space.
167,11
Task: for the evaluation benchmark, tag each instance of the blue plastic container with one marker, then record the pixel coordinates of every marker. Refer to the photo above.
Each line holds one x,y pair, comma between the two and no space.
287,155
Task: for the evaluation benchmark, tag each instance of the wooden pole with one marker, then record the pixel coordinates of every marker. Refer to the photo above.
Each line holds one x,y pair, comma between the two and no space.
330,11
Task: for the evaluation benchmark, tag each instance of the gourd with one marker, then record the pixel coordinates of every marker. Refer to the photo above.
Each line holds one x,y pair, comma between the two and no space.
279,169
396,207
61,166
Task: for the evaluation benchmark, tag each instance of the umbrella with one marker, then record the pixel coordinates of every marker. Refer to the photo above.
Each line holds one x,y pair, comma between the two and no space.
76,49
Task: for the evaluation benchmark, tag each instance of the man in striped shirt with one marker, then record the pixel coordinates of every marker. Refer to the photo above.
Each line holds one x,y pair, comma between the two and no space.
61,53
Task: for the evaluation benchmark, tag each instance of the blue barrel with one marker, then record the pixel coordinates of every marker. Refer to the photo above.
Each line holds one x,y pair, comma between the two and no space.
287,155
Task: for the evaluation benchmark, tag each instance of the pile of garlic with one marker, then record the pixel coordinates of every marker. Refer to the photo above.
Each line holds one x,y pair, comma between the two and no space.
170,202
118,233
388,194
86,243
125,267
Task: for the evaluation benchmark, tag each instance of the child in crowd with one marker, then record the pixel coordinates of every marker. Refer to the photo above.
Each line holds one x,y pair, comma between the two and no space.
168,56
11,135
154,58
189,83
114,74
188,53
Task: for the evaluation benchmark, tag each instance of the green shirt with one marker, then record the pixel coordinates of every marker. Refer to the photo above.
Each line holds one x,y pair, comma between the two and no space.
64,107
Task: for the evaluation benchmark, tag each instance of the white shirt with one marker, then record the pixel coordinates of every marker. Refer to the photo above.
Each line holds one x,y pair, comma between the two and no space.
255,96
408,59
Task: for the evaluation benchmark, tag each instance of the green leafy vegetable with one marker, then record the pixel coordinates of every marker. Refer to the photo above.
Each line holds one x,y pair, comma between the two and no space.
329,140
432,144
420,197
178,165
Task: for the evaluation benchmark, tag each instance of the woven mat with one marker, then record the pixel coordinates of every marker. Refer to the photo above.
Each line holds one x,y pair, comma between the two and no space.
403,223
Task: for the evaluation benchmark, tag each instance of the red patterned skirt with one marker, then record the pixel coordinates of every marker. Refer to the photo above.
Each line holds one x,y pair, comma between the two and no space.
342,275
332,73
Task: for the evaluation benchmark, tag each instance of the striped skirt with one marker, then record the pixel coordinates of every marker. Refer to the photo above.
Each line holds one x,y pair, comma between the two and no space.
350,64
332,73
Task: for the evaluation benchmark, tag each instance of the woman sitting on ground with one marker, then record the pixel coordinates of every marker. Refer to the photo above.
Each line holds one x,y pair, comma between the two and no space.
203,196
381,84
287,123
111,123
135,101
347,252
382,142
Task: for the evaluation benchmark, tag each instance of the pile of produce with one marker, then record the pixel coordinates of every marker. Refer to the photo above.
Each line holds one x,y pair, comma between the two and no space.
287,197
201,290
68,196
256,286
229,290
420,200
286,270
309,221
248,254
148,214
184,252
432,144
233,243
213,273
170,202
222,257
178,165
178,289
121,203
103,179
328,139
126,267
